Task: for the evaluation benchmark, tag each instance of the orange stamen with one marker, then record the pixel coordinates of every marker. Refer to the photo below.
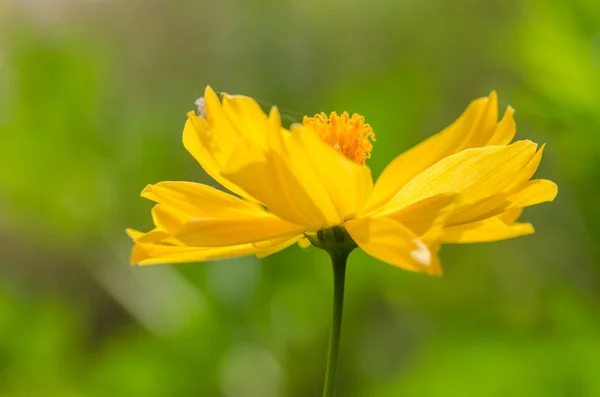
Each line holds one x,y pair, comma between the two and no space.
351,136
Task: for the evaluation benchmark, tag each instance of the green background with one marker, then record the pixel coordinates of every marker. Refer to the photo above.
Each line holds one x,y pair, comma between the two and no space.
93,97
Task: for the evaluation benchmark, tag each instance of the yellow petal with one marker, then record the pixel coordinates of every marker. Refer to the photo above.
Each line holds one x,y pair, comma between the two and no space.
532,193
194,128
527,172
155,236
480,127
149,254
167,218
235,126
206,232
508,198
285,181
247,118
422,216
473,173
281,244
280,192
491,229
535,192
133,234
505,129
198,200
510,216
202,216
393,243
304,243
220,137
348,184
476,127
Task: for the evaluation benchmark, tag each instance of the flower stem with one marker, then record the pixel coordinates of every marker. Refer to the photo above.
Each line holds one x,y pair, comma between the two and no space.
338,260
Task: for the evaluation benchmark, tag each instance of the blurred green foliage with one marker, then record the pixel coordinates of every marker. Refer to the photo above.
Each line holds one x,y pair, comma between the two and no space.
92,104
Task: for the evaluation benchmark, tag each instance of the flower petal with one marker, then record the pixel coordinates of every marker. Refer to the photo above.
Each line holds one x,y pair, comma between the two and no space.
473,173
133,234
202,216
194,128
496,219
532,193
491,229
247,118
510,216
304,243
476,127
500,202
505,129
205,232
424,215
167,218
156,235
235,125
160,252
391,242
276,181
281,244
302,179
348,184
198,200
221,138
150,254
535,192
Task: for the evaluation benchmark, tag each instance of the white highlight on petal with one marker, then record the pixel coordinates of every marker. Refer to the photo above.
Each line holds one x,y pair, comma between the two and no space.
421,254
201,109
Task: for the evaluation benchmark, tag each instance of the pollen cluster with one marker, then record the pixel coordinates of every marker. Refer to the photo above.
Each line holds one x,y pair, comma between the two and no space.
351,136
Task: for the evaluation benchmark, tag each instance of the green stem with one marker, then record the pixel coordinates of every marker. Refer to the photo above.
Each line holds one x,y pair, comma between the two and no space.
339,277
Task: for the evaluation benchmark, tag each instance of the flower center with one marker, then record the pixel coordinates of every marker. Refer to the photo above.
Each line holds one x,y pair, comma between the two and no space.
351,136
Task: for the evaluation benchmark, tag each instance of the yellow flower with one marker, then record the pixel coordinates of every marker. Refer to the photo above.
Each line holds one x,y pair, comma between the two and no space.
465,184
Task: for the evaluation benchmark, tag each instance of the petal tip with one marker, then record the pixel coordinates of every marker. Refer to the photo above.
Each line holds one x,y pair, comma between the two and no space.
138,254
528,229
274,113
147,192
554,188
421,254
209,90
211,99
132,233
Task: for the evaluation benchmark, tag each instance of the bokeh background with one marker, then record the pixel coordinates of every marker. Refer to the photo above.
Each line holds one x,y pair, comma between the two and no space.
93,96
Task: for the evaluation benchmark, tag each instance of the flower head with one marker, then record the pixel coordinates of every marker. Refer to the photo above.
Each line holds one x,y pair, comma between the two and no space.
466,184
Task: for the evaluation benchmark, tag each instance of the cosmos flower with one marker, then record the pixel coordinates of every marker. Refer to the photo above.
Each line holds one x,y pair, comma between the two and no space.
311,184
